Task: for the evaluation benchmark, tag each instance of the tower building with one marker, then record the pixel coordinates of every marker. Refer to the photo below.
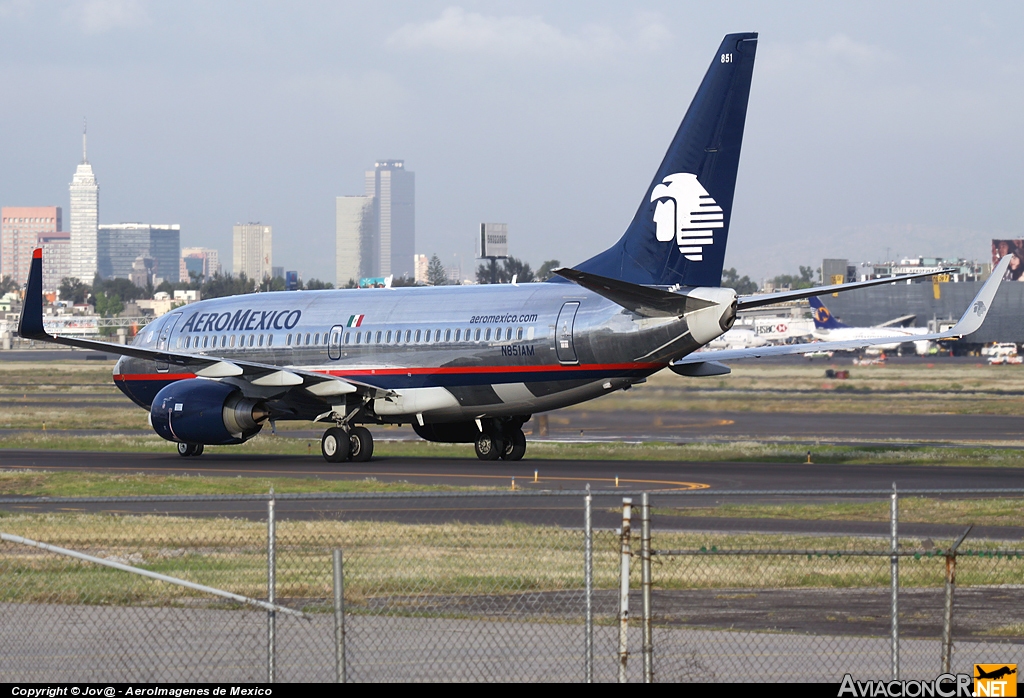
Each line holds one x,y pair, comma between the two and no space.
118,246
85,205
251,251
394,191
356,241
21,229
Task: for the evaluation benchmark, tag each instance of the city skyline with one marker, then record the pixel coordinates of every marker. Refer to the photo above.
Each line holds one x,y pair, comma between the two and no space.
547,117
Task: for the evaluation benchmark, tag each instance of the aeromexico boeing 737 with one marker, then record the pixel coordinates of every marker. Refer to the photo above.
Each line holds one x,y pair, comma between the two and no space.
473,363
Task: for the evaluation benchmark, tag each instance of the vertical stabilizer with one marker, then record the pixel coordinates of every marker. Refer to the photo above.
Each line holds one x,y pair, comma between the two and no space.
679,232
823,319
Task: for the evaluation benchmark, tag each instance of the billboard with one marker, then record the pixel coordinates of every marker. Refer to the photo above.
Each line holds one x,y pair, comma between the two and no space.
493,240
1001,248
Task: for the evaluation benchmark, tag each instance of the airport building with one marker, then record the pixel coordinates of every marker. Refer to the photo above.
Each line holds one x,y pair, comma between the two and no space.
85,204
21,230
119,246
252,252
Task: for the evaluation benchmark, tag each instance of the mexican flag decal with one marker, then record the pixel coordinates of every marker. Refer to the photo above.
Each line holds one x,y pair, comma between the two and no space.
355,321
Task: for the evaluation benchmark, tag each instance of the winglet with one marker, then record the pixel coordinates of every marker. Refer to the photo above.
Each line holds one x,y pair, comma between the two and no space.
973,318
30,326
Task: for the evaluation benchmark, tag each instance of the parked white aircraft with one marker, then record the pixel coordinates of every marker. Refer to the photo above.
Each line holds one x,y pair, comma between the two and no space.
827,328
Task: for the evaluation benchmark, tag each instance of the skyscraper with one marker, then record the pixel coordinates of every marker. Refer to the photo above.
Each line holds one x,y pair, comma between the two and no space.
394,191
251,251
356,241
204,261
117,247
21,228
85,206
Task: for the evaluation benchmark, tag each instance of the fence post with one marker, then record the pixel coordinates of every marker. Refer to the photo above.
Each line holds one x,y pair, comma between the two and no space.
627,505
947,620
588,584
271,588
645,569
894,564
339,618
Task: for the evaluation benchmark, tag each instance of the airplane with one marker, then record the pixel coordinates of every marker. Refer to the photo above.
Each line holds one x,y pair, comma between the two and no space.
826,327
471,364
737,338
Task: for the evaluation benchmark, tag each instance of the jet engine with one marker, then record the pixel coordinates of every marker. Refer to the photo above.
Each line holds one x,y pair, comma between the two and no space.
199,411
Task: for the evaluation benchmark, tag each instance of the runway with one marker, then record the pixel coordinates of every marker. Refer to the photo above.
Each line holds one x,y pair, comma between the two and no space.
690,484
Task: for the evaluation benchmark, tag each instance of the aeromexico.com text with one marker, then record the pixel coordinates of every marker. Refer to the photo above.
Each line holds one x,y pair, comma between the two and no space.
511,317
242,320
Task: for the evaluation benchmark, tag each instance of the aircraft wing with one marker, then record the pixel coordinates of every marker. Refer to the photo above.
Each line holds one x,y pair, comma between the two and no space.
756,301
970,322
208,366
899,321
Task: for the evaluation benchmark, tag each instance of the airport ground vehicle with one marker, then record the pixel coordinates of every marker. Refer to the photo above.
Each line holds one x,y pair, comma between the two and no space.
472,364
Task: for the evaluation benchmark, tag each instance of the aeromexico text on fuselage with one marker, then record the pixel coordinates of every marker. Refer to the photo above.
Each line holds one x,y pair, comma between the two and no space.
247,320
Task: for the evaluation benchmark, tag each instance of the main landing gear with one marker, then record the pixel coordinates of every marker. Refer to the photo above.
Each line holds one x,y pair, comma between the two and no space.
339,444
506,441
189,450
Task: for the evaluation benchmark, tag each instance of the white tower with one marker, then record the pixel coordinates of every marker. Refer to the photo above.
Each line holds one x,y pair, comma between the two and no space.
85,204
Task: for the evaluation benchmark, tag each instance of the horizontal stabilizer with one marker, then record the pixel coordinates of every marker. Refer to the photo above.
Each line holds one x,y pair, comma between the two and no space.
760,299
643,300
970,322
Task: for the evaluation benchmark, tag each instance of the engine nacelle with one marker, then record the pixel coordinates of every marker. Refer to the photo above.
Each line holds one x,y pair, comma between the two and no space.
198,411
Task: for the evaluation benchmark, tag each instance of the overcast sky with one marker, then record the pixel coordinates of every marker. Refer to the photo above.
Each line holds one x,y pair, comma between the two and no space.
873,128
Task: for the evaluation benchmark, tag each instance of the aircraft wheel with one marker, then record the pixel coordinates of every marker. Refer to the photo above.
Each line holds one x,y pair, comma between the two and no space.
515,445
362,444
488,446
186,450
334,445
198,450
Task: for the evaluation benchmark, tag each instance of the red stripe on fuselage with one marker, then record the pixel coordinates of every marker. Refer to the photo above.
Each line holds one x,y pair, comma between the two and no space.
449,370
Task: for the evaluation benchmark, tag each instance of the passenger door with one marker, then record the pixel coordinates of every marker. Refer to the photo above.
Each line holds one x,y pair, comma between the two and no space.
564,348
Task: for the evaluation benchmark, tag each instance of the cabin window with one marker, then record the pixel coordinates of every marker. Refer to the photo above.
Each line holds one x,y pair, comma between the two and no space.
437,335
316,338
487,335
252,339
307,339
188,341
270,340
398,336
378,336
359,337
529,333
369,337
289,340
417,336
468,330
261,340
508,334
477,335
519,333
458,334
497,335
206,341
232,341
348,337
447,335
388,338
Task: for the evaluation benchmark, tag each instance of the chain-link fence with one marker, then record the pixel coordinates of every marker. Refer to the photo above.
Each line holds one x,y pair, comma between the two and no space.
514,586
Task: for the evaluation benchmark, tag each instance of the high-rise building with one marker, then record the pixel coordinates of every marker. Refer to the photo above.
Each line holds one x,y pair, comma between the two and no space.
118,246
85,207
204,261
394,191
421,263
356,240
251,251
20,230
56,259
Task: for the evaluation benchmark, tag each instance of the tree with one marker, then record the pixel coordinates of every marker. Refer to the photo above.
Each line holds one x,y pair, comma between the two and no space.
108,305
73,290
805,280
220,285
741,284
436,273
317,285
544,273
400,281
7,284
492,273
